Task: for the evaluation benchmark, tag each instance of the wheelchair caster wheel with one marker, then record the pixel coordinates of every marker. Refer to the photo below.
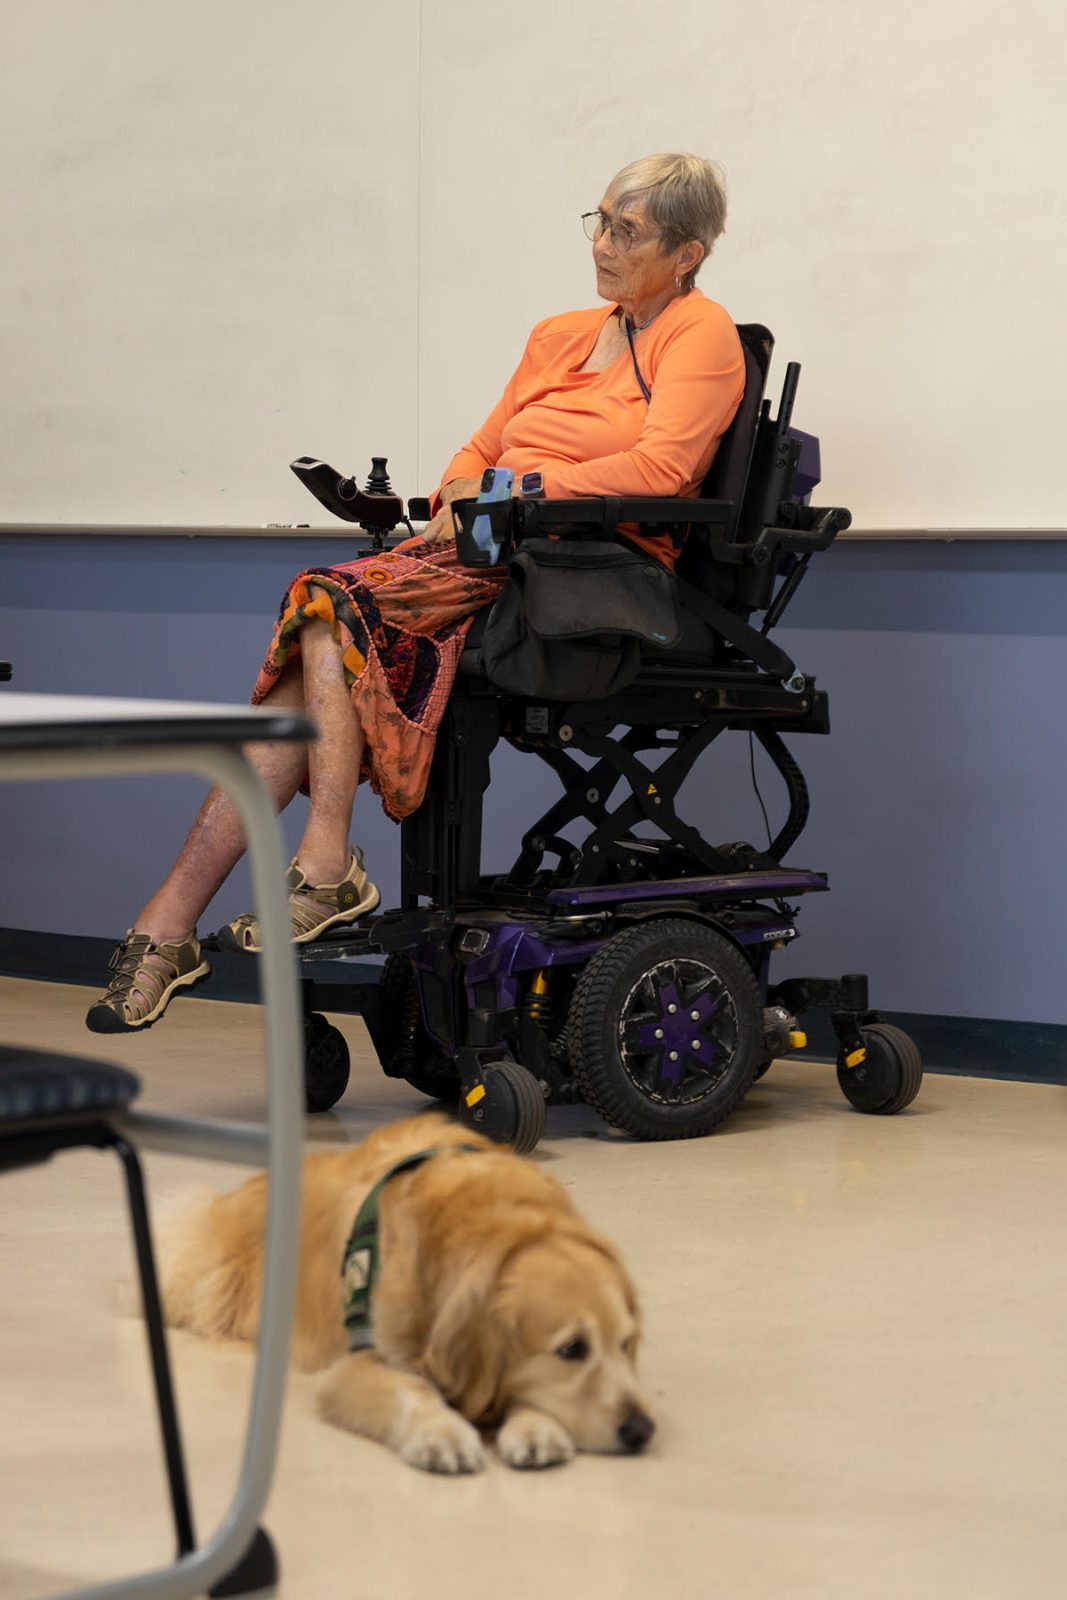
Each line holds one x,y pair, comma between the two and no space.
409,1052
890,1077
505,1103
325,1063
666,1029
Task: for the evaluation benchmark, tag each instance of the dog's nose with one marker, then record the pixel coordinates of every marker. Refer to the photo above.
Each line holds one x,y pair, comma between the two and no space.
636,1430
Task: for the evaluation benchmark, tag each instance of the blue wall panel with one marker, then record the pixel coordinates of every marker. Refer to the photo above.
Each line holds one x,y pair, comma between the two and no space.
937,801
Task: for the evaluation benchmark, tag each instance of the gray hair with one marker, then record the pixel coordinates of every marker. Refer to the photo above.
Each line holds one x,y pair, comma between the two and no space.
684,195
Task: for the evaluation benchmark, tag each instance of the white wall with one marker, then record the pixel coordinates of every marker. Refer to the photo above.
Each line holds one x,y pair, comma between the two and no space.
248,230
212,266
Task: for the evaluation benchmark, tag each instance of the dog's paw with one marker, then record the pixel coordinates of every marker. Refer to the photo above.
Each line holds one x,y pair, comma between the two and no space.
443,1443
532,1439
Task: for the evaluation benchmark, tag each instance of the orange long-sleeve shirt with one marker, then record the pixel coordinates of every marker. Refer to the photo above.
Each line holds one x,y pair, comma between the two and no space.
593,433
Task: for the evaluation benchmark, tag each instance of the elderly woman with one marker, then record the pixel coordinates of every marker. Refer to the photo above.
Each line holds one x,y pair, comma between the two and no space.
630,399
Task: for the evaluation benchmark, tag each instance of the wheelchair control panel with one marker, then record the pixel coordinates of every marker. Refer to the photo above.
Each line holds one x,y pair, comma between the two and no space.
375,507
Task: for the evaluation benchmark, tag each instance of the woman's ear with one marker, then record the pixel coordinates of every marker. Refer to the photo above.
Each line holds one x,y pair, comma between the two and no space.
690,257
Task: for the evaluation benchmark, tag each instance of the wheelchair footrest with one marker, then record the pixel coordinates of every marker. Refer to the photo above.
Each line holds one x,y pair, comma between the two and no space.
339,945
393,930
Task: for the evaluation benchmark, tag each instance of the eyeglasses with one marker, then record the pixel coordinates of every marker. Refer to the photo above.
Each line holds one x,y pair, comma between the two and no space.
623,234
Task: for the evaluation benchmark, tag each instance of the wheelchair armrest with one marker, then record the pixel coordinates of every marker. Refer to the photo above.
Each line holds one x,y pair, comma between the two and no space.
806,529
511,521
607,511
803,531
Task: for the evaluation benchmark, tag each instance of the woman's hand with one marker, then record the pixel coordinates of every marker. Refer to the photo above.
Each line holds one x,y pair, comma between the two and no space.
442,529
460,489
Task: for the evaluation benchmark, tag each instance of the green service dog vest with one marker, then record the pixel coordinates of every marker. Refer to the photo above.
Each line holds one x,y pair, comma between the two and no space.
359,1267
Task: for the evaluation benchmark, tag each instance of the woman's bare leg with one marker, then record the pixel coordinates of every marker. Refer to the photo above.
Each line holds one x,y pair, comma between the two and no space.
314,682
216,840
146,977
333,758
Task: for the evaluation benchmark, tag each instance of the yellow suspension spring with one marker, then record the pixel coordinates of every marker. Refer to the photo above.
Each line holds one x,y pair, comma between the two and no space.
538,1005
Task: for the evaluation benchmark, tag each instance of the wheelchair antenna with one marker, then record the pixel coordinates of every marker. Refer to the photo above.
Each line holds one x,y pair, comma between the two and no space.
786,448
789,394
774,460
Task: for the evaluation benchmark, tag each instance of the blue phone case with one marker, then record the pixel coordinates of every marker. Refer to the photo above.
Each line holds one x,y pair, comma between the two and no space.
497,484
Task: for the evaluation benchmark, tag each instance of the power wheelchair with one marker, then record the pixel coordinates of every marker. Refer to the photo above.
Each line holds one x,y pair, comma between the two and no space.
628,969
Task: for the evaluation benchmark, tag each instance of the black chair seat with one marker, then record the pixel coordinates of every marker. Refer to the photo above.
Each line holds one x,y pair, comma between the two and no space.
42,1086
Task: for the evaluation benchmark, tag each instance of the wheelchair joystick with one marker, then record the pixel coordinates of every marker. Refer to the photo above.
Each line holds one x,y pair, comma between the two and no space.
378,481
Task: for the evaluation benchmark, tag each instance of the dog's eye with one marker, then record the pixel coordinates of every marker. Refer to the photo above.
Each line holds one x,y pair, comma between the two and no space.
574,1350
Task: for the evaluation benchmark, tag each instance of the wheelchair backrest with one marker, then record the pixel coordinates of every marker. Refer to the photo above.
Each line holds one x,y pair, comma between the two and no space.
728,475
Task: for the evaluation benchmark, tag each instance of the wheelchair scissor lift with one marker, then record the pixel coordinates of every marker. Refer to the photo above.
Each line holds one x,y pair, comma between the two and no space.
528,983
622,960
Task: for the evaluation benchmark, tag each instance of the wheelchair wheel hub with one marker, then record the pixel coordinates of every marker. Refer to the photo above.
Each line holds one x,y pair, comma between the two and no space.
677,1031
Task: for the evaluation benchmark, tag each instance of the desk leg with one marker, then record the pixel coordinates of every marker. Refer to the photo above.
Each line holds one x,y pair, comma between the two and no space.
238,1534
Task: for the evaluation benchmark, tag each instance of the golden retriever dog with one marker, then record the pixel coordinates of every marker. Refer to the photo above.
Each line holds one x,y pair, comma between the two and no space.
495,1306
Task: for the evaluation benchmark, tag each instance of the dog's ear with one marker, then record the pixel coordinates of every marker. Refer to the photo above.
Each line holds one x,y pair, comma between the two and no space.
596,1241
466,1350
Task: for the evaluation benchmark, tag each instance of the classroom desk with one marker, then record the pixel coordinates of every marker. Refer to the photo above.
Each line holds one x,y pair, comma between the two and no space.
56,736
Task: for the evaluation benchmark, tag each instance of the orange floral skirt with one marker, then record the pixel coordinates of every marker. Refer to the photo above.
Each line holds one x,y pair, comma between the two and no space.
401,619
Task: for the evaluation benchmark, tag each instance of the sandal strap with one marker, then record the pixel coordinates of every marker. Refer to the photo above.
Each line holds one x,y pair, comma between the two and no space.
244,924
305,916
132,972
323,901
327,900
130,949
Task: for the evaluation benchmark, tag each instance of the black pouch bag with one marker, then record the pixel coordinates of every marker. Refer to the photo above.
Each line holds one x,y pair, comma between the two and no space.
569,622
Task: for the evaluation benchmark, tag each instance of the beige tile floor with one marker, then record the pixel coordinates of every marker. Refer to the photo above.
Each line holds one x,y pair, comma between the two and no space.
855,1346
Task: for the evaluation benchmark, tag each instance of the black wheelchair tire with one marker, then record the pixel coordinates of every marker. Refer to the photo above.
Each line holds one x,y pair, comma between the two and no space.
891,1076
422,1065
326,1063
597,1016
512,1110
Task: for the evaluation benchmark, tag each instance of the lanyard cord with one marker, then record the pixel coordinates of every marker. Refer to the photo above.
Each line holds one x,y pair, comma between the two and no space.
645,390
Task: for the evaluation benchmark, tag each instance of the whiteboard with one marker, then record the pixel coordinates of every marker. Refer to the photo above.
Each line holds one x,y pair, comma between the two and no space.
240,232
213,268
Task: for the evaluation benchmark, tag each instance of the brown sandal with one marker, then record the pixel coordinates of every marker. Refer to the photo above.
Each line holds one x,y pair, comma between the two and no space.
141,990
312,908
